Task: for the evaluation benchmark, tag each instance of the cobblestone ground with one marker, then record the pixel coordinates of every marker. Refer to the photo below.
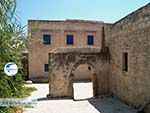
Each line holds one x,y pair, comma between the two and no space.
107,105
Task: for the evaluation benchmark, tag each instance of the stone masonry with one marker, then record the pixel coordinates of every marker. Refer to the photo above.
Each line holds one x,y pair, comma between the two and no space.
121,66
131,35
64,61
119,60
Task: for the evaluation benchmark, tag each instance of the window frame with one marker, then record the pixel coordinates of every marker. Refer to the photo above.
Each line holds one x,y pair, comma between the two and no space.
46,67
88,39
67,40
44,41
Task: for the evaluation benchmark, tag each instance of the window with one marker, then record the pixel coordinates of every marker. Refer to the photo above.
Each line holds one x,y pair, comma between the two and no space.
46,39
125,61
46,68
69,40
89,68
90,39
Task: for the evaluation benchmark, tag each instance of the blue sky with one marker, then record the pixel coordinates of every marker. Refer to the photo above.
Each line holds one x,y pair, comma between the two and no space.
102,10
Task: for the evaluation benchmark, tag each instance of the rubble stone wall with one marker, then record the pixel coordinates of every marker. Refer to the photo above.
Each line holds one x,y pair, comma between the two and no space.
64,61
131,35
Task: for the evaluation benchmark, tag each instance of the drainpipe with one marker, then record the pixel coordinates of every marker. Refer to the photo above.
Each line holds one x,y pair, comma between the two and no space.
103,37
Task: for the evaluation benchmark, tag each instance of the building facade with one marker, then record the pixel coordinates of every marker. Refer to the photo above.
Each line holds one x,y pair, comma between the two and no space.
44,36
125,74
129,44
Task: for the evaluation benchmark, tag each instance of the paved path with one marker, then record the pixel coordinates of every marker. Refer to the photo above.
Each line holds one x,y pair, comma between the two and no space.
83,90
69,106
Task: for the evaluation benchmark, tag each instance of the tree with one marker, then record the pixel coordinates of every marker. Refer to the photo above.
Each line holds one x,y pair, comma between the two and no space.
12,44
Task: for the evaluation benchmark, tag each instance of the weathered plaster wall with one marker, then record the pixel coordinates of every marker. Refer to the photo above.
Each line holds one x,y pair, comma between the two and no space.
38,52
132,35
63,63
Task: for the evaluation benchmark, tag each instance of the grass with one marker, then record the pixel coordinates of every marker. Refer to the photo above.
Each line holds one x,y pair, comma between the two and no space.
26,91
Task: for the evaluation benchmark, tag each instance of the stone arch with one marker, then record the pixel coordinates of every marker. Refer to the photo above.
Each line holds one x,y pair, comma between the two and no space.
81,62
94,75
63,62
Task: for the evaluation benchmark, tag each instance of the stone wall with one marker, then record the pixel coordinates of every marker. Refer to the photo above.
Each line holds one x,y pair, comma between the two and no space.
131,35
64,61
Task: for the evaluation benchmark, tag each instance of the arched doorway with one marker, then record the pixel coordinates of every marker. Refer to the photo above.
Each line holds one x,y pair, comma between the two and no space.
83,73
82,82
62,65
84,88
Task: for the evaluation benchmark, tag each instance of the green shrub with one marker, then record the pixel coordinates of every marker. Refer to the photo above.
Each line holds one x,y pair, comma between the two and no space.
12,45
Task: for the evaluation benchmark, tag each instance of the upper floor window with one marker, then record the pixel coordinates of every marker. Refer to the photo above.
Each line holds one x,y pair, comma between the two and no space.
46,39
90,39
69,40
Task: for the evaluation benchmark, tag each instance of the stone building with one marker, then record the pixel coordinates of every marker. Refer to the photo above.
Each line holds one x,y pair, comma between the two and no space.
121,66
119,57
129,44
44,36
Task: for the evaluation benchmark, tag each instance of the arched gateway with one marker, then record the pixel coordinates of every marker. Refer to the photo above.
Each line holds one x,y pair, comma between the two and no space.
64,61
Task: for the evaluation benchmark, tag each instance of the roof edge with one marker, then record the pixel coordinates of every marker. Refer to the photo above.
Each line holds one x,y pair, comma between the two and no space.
67,20
139,9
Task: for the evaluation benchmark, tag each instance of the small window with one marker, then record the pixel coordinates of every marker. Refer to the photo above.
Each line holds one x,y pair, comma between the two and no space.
69,40
46,39
90,39
125,61
46,68
89,68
